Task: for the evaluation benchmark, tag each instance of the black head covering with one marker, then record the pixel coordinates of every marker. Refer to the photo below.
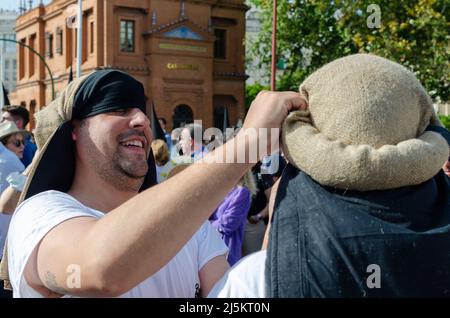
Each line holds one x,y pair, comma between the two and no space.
105,91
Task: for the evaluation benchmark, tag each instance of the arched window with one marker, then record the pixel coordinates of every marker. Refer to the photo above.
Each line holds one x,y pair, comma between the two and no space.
182,115
221,117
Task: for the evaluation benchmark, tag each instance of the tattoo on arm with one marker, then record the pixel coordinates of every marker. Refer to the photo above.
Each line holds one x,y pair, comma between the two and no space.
50,282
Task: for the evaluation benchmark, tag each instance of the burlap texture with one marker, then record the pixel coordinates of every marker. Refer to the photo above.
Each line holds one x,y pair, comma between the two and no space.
47,122
56,112
364,128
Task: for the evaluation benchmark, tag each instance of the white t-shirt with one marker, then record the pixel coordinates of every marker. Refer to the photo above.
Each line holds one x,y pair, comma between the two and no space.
244,280
9,163
35,217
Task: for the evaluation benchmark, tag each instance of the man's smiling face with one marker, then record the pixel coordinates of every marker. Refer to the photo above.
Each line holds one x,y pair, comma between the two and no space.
116,145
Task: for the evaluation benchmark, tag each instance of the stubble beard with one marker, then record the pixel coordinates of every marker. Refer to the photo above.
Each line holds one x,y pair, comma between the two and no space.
132,171
123,173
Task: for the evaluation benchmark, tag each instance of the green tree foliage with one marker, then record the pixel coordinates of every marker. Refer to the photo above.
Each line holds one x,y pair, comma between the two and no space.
311,33
446,121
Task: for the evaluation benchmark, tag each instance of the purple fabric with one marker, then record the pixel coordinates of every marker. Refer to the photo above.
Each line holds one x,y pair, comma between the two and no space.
229,219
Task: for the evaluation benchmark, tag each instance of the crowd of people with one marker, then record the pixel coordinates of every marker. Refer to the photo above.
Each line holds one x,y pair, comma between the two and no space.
361,181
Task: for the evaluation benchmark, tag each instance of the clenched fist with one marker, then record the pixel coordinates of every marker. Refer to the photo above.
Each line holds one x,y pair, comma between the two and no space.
261,128
269,109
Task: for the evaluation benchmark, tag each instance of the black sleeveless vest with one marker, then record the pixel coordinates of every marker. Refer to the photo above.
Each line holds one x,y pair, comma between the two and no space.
326,242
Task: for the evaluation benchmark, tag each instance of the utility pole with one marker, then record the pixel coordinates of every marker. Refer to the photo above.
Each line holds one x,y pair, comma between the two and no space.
274,48
79,37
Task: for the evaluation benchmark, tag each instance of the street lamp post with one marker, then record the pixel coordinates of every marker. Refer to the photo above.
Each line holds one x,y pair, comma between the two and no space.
42,59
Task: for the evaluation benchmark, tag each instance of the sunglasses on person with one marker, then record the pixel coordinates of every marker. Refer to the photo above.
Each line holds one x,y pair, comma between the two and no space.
18,143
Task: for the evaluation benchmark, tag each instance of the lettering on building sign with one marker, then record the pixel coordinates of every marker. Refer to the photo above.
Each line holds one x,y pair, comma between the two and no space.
177,66
178,47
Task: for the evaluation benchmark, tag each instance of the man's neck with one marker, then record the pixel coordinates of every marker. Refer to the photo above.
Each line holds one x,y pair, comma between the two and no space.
92,191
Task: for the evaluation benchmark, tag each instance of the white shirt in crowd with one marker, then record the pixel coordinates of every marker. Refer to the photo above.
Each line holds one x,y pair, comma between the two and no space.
9,163
270,163
35,217
162,172
245,279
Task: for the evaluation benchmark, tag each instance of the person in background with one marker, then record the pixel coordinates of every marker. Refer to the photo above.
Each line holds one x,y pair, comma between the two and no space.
20,116
11,151
163,163
266,173
191,142
230,217
257,216
13,138
163,124
175,151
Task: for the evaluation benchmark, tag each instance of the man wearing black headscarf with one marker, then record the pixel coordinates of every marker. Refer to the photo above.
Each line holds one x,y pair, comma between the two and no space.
89,225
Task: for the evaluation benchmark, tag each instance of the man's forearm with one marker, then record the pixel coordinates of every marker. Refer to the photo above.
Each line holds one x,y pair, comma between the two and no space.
136,239
155,225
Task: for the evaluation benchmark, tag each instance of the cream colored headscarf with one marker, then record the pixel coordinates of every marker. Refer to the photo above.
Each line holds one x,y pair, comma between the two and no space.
365,127
48,120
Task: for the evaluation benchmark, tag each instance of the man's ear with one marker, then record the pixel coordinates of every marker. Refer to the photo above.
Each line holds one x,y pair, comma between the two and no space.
75,128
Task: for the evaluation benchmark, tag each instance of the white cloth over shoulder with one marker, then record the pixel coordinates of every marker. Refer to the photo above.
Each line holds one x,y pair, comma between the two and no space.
9,163
35,217
244,280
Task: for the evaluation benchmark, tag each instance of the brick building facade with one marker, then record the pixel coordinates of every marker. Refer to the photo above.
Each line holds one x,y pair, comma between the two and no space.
188,54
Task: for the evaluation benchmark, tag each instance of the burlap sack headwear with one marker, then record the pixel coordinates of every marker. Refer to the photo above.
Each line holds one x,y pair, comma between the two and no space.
365,127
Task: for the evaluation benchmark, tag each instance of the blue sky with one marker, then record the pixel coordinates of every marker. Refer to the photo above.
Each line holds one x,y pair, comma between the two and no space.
14,4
